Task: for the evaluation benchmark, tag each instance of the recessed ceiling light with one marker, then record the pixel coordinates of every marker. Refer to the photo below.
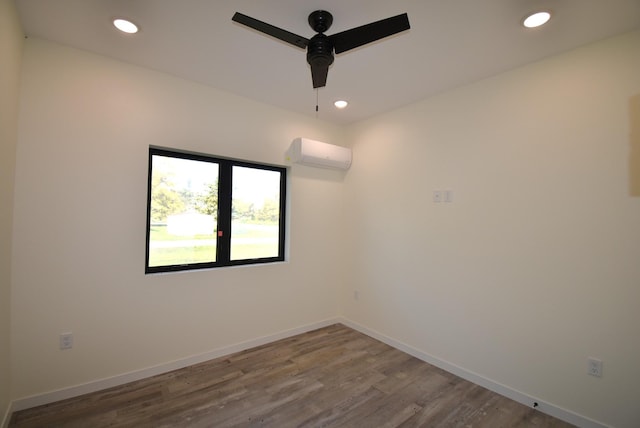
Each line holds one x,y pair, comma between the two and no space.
536,19
125,26
341,104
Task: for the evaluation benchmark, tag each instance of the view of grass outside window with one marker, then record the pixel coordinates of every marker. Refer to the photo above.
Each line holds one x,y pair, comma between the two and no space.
184,209
255,212
208,212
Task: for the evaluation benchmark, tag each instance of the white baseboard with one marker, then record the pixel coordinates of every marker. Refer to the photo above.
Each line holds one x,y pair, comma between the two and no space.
520,397
100,384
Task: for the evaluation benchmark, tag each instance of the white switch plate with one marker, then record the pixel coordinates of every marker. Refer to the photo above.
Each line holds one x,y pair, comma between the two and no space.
437,196
66,341
594,367
448,196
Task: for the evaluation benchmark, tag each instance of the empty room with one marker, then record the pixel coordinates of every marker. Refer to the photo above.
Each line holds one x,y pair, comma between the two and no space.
194,233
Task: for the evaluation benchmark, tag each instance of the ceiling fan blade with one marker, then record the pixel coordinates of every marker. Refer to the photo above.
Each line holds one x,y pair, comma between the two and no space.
368,33
269,29
319,75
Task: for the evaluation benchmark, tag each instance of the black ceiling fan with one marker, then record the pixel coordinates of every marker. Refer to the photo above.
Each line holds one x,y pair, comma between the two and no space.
320,48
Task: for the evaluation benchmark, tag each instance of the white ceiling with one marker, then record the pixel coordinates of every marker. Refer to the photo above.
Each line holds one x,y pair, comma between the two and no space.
450,43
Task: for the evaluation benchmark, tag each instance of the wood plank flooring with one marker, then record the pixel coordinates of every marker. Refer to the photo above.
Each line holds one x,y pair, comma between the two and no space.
331,377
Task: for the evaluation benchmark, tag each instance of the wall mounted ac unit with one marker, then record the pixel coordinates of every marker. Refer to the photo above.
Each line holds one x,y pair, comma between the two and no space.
316,153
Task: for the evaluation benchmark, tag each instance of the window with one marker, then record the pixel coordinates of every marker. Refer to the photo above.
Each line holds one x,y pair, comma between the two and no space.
205,212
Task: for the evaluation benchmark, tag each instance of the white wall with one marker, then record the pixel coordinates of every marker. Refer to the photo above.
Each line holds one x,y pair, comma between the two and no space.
86,123
10,55
536,264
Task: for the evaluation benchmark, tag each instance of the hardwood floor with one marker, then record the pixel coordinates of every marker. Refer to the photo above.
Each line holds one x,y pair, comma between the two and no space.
333,376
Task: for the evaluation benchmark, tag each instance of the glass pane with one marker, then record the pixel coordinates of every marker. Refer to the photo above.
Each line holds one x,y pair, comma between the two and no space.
184,206
255,213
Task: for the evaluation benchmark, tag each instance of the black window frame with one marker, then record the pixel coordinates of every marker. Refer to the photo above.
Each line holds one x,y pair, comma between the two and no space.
224,217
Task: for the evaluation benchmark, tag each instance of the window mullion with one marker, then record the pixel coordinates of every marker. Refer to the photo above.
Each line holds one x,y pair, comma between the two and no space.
224,214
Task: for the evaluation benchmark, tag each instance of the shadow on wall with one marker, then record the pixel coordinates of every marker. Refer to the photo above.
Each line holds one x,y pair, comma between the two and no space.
634,150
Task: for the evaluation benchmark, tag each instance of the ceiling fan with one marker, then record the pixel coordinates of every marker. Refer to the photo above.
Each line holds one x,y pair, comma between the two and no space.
320,48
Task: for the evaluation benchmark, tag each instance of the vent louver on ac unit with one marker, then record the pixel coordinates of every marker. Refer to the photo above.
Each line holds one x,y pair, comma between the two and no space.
316,153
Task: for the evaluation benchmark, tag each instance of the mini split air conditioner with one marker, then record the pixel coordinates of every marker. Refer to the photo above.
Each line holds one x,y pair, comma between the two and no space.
316,153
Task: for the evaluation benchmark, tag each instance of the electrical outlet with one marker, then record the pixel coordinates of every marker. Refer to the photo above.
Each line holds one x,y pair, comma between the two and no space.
594,367
356,295
66,341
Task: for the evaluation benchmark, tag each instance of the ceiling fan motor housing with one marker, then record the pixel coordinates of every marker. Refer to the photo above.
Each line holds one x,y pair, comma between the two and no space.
320,51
